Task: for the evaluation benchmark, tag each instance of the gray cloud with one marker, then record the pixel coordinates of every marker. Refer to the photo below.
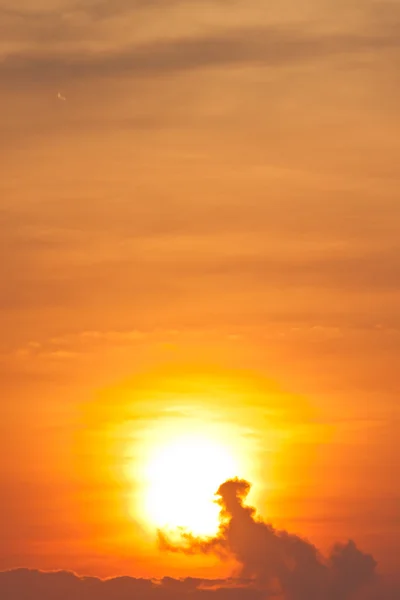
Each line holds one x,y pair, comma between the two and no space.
97,9
283,564
24,584
264,46
104,9
73,21
68,22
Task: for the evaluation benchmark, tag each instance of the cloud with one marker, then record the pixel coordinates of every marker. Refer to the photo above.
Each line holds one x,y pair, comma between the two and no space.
69,20
24,584
104,9
272,565
266,45
280,562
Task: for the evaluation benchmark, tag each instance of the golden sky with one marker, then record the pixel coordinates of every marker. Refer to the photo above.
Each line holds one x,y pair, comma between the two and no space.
199,224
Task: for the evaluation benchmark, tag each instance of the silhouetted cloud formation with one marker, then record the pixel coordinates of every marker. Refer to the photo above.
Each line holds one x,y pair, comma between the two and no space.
273,565
24,584
284,565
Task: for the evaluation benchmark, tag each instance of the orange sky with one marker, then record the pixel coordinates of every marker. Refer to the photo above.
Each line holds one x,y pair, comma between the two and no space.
209,222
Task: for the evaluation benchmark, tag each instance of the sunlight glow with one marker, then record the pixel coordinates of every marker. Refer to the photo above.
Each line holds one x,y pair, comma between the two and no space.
194,438
182,478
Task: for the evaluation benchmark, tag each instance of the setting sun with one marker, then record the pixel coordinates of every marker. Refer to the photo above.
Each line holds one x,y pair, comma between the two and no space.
176,463
199,299
183,477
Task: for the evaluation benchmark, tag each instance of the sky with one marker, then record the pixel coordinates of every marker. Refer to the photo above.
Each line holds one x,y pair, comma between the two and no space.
199,221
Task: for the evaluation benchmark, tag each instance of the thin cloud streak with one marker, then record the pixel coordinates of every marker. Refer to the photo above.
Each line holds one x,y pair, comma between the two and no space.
268,46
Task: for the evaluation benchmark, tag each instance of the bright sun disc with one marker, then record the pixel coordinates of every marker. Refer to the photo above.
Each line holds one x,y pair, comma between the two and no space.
182,478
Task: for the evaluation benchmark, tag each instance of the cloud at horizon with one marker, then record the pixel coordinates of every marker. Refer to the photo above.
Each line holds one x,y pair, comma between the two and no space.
221,187
26,584
272,564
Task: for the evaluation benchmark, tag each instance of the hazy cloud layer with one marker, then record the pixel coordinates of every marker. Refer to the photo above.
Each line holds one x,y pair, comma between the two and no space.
117,39
262,46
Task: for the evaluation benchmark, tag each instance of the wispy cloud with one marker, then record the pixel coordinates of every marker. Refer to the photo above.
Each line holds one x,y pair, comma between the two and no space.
268,46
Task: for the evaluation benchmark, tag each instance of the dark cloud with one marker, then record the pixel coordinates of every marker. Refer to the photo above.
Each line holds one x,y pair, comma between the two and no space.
69,22
97,9
24,584
269,46
104,9
283,564
273,565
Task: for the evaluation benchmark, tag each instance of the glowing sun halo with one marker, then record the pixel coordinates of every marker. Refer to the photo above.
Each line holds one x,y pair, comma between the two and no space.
182,478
